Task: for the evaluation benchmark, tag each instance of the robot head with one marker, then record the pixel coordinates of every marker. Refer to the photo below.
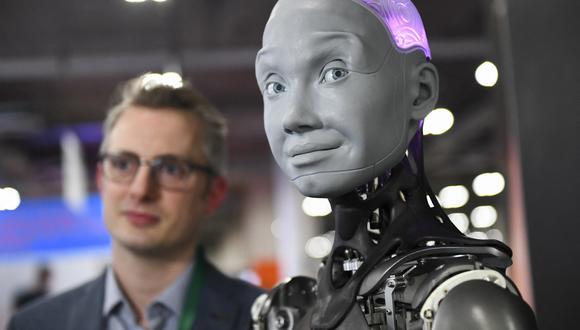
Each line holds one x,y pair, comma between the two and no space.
342,97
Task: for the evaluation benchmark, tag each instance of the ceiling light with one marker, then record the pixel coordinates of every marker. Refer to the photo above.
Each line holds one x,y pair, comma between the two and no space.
453,196
483,216
438,121
486,74
488,184
316,207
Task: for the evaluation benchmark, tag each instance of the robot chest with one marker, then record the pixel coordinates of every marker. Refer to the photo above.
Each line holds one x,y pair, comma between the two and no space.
403,293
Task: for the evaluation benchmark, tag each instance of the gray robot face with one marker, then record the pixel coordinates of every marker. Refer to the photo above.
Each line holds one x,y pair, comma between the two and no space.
335,101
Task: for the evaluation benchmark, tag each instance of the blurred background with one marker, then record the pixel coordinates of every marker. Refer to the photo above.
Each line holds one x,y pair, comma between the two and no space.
501,150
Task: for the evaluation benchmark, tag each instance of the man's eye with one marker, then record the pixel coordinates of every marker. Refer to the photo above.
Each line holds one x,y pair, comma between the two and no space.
334,74
274,88
173,169
122,163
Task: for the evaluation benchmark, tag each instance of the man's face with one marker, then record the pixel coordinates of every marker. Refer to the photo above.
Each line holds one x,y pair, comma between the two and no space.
141,215
333,89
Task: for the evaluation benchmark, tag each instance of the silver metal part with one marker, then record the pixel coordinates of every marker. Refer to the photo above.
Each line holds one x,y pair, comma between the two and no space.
258,307
285,305
282,319
381,271
351,265
389,303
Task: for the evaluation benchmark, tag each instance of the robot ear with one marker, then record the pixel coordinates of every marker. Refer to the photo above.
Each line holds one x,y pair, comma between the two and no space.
424,84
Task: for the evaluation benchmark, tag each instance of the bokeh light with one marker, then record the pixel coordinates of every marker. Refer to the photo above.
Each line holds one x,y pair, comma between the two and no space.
477,235
316,207
488,184
453,196
486,74
483,216
9,199
460,220
495,234
438,121
318,247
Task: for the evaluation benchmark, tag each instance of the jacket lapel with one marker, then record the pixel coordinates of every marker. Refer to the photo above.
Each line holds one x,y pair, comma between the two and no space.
87,312
216,310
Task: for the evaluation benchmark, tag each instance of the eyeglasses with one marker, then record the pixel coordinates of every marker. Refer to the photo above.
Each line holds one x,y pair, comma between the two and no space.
170,172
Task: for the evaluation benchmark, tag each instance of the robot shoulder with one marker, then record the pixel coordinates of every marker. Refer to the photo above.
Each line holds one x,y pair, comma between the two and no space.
479,304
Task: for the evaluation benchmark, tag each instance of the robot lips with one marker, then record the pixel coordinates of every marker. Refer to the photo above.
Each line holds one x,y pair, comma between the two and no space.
304,154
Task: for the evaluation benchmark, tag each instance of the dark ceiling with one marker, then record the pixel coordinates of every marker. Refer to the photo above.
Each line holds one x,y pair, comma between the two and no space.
61,60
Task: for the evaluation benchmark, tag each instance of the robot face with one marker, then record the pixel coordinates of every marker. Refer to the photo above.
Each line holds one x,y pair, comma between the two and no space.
336,109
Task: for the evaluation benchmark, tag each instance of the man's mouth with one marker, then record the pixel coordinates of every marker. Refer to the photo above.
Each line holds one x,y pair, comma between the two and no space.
141,219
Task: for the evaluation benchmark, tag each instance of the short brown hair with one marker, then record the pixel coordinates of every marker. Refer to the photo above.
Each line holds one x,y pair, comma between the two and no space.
141,91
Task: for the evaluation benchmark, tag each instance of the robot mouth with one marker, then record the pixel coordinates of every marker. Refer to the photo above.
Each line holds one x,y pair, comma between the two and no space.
304,149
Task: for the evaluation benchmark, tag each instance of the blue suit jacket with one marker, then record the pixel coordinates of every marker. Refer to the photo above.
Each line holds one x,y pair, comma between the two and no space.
224,305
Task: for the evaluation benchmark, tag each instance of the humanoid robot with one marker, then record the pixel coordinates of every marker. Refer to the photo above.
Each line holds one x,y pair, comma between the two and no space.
346,85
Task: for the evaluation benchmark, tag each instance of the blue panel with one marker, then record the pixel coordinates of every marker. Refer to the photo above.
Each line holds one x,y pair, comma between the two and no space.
40,227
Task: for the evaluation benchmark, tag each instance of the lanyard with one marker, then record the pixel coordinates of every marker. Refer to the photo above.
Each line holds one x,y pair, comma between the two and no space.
189,309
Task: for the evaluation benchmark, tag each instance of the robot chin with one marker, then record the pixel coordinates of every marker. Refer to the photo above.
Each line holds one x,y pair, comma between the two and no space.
337,182
331,184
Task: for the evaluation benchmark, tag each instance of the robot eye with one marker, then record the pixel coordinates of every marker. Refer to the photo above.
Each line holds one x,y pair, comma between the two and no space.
334,74
274,88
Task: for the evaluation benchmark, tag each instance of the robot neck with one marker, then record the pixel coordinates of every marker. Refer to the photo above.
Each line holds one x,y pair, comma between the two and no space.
380,201
377,203
396,206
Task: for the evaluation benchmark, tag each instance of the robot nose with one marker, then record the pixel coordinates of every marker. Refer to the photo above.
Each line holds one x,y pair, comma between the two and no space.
301,117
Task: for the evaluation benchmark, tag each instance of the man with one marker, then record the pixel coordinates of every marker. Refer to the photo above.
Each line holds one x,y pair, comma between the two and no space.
346,85
161,172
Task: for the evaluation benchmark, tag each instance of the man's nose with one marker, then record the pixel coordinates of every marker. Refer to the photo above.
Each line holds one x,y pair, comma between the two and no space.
143,184
301,115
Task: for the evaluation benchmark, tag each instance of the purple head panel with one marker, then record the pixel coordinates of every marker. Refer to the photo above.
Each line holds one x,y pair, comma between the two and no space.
403,22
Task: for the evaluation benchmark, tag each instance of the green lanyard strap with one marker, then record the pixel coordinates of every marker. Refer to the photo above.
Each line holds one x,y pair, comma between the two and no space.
189,310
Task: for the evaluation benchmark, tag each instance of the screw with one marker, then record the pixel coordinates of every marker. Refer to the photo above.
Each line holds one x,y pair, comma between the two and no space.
280,322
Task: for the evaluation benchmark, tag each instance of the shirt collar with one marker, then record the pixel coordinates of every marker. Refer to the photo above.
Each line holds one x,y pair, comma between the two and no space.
172,297
113,294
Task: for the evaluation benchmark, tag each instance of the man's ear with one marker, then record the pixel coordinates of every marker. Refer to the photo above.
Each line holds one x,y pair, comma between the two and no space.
424,90
217,191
